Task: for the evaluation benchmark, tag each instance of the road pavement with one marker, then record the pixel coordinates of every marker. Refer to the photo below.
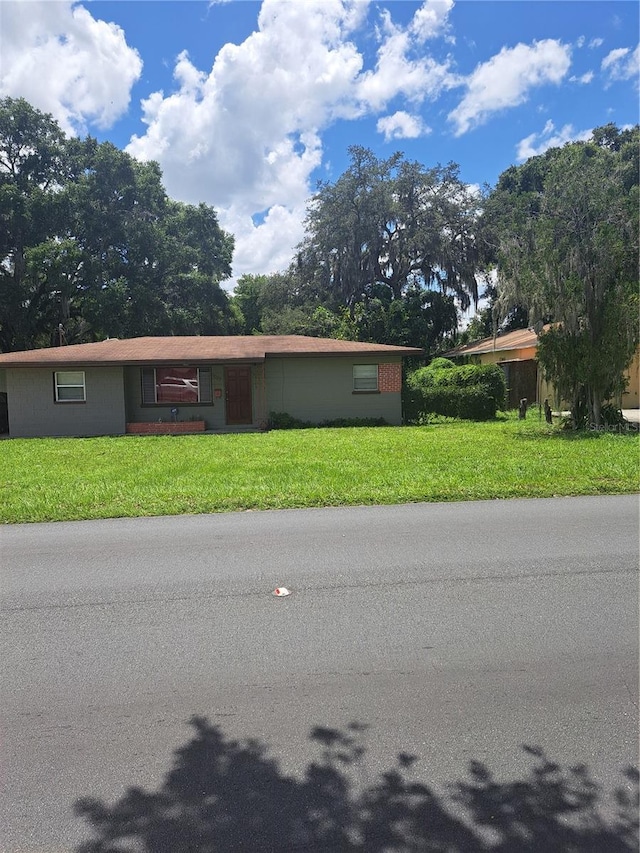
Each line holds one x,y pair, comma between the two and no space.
451,634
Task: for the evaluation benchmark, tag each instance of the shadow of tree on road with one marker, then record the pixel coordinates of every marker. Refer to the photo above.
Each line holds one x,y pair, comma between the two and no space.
224,795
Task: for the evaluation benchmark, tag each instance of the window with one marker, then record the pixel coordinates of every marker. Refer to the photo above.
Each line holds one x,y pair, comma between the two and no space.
69,386
365,377
176,384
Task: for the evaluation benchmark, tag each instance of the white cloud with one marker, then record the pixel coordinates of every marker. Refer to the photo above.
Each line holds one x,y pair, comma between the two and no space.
267,247
246,135
506,80
622,64
580,41
538,143
67,63
583,79
597,42
431,19
614,58
401,125
397,74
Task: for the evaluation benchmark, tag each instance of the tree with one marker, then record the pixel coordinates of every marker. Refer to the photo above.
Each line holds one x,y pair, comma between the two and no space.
565,229
484,324
419,318
278,304
151,265
247,299
92,245
32,173
390,224
281,304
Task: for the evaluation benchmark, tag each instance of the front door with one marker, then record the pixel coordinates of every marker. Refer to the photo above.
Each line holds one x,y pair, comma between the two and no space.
237,383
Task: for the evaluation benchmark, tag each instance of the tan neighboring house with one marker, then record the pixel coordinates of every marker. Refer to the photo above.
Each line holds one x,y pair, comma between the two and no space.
516,353
193,384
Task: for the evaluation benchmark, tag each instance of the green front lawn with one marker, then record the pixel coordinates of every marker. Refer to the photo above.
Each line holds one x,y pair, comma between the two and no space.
65,479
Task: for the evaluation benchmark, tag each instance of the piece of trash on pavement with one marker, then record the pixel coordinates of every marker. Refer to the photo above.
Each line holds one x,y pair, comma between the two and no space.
280,591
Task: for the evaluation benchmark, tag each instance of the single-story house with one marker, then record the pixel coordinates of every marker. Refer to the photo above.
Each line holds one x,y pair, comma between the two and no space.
516,353
189,384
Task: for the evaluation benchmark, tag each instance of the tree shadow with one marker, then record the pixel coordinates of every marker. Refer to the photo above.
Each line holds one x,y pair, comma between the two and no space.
224,795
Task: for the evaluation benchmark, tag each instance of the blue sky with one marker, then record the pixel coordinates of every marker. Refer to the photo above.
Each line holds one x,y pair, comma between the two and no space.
246,105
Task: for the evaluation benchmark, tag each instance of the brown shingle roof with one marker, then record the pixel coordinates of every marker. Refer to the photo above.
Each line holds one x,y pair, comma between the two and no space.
519,339
195,349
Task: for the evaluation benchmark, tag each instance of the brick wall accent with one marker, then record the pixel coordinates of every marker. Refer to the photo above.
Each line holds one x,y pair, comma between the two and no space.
155,428
390,378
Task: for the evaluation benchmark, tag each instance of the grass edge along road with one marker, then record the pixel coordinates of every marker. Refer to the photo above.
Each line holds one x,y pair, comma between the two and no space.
64,479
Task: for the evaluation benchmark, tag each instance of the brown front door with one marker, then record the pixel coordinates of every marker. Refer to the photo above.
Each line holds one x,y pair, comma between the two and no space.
237,383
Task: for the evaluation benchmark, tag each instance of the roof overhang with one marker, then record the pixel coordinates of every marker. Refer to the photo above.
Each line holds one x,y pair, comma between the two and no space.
143,352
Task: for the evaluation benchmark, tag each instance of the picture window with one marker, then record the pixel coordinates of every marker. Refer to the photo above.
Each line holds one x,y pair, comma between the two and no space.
171,384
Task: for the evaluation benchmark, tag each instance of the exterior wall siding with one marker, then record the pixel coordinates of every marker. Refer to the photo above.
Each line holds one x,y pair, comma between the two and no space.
321,389
308,388
33,412
631,397
543,388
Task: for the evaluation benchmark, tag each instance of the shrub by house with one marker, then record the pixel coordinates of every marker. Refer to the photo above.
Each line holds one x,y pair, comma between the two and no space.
471,392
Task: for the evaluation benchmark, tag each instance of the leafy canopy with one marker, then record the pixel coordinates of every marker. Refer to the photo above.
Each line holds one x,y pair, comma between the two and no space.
91,245
564,231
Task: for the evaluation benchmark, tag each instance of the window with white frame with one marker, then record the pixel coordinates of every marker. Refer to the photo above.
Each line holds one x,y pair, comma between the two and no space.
69,386
175,384
365,377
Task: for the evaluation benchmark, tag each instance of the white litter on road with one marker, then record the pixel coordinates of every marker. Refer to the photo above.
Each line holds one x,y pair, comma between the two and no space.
280,591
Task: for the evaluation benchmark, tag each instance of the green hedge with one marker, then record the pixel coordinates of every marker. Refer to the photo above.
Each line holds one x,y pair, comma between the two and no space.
283,420
440,364
472,392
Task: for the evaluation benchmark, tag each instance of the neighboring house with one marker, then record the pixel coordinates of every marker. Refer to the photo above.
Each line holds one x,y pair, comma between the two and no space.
186,384
516,353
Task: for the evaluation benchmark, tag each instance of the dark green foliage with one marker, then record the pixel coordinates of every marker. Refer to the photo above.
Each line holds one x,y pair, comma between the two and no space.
91,246
612,416
283,420
563,229
470,392
468,403
392,223
354,422
388,257
487,322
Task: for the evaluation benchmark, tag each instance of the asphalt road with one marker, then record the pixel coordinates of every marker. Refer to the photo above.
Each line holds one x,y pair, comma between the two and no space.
455,633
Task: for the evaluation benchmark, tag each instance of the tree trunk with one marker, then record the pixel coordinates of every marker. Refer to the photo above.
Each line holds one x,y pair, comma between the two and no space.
596,407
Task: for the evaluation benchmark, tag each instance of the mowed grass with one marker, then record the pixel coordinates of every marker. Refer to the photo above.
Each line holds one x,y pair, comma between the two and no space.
67,479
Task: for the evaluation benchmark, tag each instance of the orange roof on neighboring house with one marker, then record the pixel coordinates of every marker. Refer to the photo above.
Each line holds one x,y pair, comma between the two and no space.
520,339
194,349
